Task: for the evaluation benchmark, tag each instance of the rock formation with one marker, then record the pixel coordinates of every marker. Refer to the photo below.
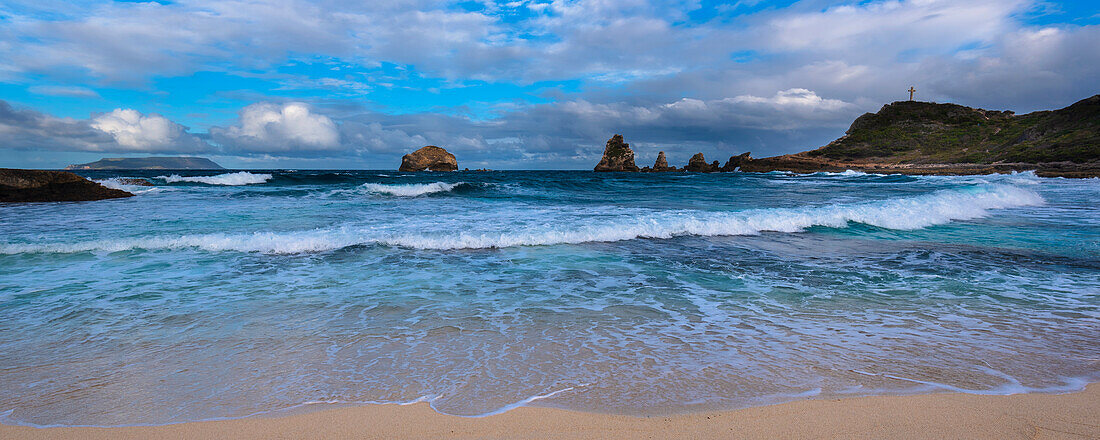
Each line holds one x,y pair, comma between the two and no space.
51,186
662,164
133,181
735,162
698,164
430,158
617,156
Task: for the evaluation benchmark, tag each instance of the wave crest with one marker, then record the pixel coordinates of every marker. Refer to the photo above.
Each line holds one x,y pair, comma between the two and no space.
229,179
411,189
902,214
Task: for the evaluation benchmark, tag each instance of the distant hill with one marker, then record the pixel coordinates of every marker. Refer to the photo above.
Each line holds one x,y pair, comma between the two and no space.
149,163
929,138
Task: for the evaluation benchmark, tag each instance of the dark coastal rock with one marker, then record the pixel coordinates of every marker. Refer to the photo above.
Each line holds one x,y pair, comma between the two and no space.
148,163
698,164
430,158
133,181
617,156
735,162
51,186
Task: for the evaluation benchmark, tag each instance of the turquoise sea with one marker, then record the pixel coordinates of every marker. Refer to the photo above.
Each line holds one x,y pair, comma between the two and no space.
226,294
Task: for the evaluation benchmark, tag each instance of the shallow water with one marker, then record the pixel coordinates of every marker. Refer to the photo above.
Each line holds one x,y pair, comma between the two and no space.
213,295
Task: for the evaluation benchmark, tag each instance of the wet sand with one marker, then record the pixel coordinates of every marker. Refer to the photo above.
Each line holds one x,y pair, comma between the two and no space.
934,416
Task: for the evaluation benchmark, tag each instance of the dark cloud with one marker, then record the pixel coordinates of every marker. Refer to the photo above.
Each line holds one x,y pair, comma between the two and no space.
122,130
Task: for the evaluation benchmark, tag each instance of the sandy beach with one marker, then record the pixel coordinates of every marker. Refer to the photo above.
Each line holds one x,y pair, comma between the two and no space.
935,416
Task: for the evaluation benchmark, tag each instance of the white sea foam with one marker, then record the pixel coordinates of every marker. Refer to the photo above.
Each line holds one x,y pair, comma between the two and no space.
232,179
410,190
116,183
902,213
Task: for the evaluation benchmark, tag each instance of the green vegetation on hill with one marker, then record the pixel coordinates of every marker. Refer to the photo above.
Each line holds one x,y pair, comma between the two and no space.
924,133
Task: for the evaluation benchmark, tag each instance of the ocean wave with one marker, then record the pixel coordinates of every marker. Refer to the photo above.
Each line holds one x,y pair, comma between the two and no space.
230,179
411,189
901,214
119,183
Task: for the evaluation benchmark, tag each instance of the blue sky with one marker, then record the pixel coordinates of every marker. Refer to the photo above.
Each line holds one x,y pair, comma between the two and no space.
527,84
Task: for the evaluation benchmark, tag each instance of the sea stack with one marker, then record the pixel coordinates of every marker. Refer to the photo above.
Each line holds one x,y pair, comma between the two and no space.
617,156
662,163
51,186
735,162
698,164
429,158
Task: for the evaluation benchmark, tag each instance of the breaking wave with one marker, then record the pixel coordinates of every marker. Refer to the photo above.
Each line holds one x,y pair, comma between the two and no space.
231,179
125,184
412,189
902,214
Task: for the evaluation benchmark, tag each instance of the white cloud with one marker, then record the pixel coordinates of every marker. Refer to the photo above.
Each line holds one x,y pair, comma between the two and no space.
273,127
122,130
797,98
67,91
137,132
892,26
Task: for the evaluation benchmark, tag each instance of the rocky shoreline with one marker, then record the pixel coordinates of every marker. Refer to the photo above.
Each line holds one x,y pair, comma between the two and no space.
924,138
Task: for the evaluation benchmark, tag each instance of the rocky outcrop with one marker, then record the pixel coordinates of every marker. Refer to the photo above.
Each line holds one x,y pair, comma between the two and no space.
133,181
698,164
51,186
662,163
735,162
429,158
617,156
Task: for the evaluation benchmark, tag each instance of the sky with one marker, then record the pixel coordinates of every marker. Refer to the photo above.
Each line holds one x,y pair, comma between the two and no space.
526,84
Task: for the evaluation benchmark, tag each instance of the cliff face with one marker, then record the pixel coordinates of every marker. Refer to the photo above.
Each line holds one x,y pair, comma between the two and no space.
928,138
51,186
617,156
149,163
429,158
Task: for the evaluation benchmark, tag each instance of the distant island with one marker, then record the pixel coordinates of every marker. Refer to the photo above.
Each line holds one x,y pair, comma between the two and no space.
149,163
911,137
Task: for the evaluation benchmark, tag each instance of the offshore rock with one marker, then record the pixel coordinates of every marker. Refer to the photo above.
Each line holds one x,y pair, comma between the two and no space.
662,163
133,181
51,186
429,158
736,162
698,164
617,156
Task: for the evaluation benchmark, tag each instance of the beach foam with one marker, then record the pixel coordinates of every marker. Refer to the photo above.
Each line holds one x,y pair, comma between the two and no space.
901,214
230,179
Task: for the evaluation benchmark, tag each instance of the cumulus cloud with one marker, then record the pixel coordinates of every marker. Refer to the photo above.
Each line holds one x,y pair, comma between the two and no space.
137,132
270,127
26,129
123,130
